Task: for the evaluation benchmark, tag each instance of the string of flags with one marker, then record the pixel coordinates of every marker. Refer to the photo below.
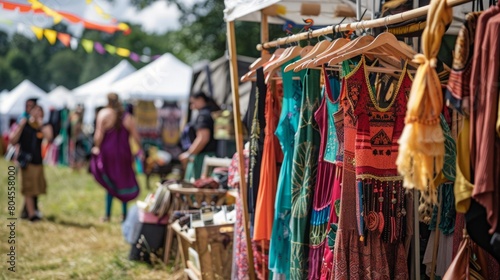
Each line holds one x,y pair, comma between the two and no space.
89,45
99,10
37,7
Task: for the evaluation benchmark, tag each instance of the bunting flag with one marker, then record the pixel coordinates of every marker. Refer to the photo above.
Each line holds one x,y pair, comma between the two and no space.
87,45
38,32
110,49
64,38
51,35
99,48
123,52
37,7
135,57
73,43
99,10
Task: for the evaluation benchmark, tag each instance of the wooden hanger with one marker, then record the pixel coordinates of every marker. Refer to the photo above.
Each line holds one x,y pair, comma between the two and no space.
276,55
265,56
334,45
289,53
356,43
287,56
305,50
386,43
317,49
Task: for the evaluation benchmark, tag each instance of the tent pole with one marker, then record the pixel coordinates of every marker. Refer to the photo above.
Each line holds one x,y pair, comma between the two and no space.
233,66
264,30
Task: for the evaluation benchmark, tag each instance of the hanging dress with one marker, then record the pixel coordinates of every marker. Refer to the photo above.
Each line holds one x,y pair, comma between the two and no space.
272,157
338,118
304,174
240,252
381,111
370,133
279,251
322,202
351,258
327,266
256,123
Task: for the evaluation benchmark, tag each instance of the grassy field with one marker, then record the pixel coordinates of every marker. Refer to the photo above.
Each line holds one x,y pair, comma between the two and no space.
70,242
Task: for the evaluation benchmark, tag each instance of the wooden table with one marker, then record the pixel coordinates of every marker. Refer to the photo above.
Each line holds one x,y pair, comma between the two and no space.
189,198
214,245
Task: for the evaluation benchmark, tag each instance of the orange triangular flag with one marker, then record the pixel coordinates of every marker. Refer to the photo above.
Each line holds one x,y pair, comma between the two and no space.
38,32
64,38
51,35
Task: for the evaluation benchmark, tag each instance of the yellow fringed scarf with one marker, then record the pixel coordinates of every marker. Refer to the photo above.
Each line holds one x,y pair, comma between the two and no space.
421,146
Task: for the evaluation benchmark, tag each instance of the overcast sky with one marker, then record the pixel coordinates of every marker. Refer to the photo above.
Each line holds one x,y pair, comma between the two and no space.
159,17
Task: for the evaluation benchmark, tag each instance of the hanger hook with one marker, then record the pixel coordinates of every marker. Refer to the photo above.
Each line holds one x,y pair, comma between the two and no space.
386,28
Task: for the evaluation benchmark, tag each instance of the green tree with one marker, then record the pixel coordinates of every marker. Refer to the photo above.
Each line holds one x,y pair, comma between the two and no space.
19,60
4,43
5,75
64,68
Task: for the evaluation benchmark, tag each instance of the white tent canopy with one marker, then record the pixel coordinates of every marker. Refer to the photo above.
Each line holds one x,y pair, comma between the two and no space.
249,10
14,104
100,85
93,94
3,94
166,78
62,97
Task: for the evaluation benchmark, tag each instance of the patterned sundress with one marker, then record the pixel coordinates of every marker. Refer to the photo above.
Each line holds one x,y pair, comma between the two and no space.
279,251
304,174
380,198
322,203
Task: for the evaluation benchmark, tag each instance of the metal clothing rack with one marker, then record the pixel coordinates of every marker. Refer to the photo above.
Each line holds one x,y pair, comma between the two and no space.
392,19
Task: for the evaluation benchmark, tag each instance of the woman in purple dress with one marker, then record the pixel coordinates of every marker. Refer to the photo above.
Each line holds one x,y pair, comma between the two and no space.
112,160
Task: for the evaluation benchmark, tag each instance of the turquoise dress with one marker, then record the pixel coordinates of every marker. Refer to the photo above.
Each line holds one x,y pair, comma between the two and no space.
279,252
304,174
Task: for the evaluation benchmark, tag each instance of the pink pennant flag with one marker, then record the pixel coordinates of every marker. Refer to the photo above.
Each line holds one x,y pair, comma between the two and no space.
135,57
98,47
